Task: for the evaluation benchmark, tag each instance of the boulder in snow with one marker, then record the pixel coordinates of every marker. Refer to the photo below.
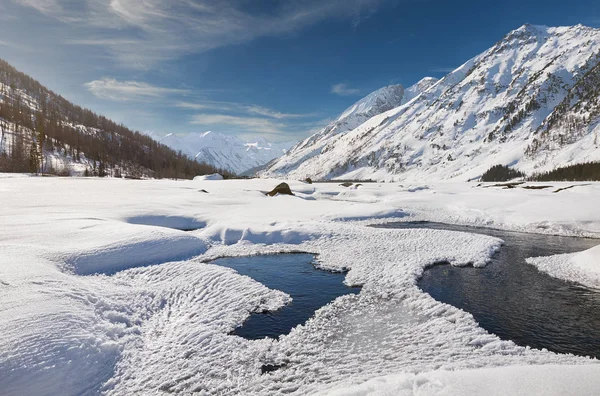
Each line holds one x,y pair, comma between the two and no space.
282,188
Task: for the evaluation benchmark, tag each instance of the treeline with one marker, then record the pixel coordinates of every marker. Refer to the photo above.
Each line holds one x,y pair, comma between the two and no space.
44,121
500,173
589,171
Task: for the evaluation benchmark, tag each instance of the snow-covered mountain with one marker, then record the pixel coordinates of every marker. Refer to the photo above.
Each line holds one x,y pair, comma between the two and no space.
531,101
226,152
376,103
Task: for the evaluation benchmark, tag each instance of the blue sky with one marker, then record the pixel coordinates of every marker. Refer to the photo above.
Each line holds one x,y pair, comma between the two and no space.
276,68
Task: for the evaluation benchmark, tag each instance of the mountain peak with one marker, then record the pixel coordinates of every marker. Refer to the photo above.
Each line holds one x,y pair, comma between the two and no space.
376,102
528,31
531,28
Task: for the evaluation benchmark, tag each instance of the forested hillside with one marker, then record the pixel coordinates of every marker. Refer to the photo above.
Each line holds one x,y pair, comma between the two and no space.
42,132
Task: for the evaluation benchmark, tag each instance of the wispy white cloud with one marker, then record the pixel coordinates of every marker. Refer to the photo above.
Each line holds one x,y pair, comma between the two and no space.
102,41
110,88
254,124
50,7
259,110
229,117
141,33
344,90
240,108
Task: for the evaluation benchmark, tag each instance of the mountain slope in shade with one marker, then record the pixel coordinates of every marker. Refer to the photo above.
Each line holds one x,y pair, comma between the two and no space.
42,132
531,101
227,152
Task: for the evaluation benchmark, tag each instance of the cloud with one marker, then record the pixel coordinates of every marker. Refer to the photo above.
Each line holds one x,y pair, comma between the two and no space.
241,108
140,33
344,90
263,111
102,42
254,124
109,88
50,7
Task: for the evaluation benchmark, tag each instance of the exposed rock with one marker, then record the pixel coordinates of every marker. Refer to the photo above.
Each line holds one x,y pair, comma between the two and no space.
566,188
536,187
282,188
506,185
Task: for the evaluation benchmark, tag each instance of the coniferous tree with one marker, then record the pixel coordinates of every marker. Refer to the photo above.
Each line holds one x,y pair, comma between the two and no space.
33,159
101,170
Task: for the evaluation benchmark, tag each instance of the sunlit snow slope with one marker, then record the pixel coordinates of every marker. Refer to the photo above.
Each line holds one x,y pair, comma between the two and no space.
531,101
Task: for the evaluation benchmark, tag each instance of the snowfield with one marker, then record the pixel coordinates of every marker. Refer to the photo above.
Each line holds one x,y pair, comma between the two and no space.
105,287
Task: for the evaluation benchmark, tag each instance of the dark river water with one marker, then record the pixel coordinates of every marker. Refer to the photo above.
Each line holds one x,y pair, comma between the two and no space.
515,301
294,274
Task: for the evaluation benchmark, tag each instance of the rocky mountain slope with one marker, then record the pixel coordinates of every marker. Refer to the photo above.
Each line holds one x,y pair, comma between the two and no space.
226,152
531,101
377,102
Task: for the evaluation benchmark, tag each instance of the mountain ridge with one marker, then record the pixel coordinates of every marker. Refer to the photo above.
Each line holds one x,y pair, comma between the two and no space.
530,101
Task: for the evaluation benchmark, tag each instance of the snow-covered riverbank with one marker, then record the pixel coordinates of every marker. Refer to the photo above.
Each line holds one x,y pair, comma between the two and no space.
103,291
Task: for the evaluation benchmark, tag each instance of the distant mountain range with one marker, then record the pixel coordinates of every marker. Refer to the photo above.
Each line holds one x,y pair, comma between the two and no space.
532,102
226,151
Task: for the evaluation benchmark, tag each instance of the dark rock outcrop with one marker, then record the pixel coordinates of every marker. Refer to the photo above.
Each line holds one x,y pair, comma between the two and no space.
282,188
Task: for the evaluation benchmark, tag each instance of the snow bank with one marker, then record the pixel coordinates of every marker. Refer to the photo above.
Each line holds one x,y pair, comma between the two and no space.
583,267
134,251
214,176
